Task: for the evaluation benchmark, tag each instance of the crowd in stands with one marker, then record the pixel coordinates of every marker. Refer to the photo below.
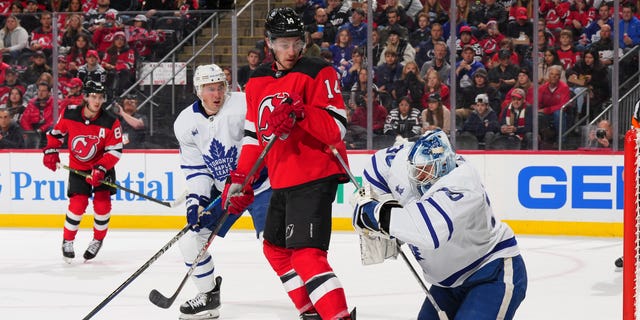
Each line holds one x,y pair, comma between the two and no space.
493,69
98,40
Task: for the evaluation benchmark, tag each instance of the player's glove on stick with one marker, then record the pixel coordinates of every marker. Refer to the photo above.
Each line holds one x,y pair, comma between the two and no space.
97,175
287,110
372,217
51,159
235,198
196,218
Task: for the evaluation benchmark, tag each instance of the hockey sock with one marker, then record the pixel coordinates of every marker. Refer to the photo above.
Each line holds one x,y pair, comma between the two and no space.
323,287
203,274
77,205
280,260
101,208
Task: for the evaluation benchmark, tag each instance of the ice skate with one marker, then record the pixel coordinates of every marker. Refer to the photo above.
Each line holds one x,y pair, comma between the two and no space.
310,316
92,250
204,306
67,251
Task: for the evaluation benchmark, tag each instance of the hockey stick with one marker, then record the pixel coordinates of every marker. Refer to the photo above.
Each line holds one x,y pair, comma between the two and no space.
441,314
178,201
146,265
162,301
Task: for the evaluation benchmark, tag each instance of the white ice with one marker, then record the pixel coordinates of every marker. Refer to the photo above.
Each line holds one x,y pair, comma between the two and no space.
569,278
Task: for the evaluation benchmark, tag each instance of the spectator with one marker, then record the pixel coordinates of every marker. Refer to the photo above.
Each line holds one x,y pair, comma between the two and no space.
425,51
95,16
516,120
10,81
14,104
410,85
435,115
3,68
567,53
376,47
592,31
505,44
360,86
394,24
404,120
64,76
549,58
142,39
11,135
589,75
404,51
227,73
482,123
503,76
629,28
74,96
492,11
388,72
18,38
552,95
323,33
74,6
357,28
555,12
119,61
32,89
468,96
580,15
515,7
73,28
423,31
244,72
338,12
92,70
435,11
78,52
604,46
439,63
341,51
379,112
29,17
523,82
311,49
467,39
38,116
305,9
133,124
42,37
599,137
265,53
394,11
521,31
104,32
356,136
466,67
36,68
490,44
433,84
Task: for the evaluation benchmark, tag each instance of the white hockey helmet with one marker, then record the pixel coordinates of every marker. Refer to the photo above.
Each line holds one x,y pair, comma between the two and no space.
209,73
430,158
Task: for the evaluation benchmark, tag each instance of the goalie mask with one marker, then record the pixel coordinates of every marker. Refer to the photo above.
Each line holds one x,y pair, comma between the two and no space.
430,158
206,74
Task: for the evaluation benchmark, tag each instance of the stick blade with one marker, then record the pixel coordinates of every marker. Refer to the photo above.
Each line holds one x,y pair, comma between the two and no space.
160,300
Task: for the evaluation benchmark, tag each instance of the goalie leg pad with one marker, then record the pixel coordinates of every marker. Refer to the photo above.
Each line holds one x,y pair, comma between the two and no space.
280,260
77,205
190,245
323,287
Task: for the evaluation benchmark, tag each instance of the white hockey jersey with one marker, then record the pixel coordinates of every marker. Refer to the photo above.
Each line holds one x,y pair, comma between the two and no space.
210,145
451,229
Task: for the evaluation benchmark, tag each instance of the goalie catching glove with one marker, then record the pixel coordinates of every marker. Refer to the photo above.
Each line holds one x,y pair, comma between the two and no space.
235,198
287,109
97,175
371,217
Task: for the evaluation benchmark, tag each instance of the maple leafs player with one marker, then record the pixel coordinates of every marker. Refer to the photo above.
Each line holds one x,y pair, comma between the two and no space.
210,133
95,146
298,101
439,207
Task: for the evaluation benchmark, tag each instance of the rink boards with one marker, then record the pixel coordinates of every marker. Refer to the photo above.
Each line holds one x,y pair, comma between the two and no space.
546,193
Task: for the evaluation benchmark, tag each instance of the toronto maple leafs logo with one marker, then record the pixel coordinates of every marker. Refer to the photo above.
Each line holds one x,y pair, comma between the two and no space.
399,190
219,160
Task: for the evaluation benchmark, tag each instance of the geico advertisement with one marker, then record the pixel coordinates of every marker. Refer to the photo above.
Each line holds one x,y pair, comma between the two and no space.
555,187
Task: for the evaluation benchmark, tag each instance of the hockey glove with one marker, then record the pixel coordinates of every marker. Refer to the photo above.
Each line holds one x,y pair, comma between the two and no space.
287,110
97,175
372,217
51,159
195,215
235,198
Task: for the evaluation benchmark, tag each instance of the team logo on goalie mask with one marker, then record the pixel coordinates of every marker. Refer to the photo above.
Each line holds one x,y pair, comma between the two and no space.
220,161
84,148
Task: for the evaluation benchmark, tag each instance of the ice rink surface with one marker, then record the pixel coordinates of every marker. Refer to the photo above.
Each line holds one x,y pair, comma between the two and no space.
569,278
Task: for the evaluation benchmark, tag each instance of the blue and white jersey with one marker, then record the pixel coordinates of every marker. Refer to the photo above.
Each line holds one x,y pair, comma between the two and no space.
210,145
451,229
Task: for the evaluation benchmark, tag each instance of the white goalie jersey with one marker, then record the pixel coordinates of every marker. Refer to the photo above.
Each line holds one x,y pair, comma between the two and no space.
451,229
210,146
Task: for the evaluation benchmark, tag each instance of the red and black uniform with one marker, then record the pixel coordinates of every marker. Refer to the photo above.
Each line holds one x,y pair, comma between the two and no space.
304,176
91,142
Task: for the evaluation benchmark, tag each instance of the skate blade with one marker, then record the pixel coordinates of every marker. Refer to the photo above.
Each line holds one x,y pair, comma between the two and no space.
67,260
205,315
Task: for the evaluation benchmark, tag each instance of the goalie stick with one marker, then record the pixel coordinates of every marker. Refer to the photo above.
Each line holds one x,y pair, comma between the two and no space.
179,200
441,314
164,302
146,265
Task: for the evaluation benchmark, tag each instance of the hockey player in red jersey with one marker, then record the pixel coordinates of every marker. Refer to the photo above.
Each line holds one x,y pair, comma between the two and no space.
94,138
296,100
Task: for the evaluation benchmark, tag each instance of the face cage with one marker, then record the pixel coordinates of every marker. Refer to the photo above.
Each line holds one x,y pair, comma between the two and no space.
428,172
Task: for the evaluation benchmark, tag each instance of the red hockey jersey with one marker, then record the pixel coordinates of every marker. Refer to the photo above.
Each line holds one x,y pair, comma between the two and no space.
305,155
91,142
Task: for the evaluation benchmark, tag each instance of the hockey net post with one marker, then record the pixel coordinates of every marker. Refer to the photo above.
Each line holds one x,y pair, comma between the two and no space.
631,244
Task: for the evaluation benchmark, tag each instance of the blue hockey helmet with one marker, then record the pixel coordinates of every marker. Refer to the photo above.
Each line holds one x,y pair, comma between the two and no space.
430,158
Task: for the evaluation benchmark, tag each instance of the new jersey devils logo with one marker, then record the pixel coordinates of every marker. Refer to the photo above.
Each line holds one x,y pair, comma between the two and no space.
84,148
264,112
